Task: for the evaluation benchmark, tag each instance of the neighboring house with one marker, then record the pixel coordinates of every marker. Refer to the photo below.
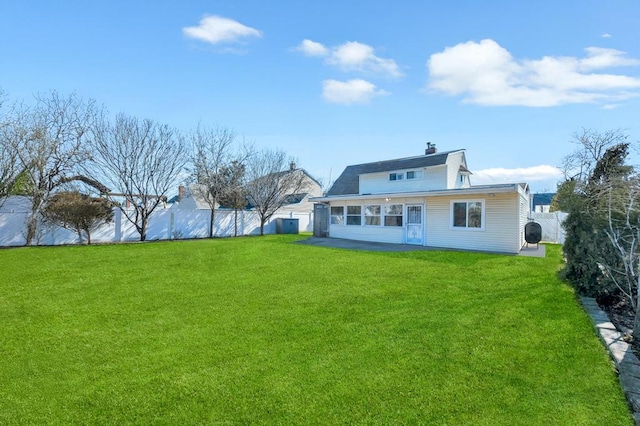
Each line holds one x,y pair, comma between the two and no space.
192,196
426,200
541,203
300,202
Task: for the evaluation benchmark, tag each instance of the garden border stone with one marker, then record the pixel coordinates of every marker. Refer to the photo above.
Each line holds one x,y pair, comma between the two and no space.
626,362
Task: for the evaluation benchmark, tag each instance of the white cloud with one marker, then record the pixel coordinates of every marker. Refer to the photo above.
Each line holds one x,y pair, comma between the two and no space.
354,56
485,73
599,57
355,91
605,35
535,174
216,29
351,56
312,48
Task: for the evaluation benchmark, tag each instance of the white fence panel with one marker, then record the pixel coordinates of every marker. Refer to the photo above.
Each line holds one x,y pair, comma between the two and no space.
252,224
13,227
191,224
164,224
159,225
552,230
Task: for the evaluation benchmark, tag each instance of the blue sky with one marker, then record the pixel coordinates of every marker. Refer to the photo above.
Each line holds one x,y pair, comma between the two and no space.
335,83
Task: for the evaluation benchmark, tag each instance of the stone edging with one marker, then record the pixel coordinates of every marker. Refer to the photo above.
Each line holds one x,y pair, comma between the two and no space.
626,362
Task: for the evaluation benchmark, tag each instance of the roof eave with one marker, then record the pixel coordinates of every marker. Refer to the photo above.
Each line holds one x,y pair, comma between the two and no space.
484,189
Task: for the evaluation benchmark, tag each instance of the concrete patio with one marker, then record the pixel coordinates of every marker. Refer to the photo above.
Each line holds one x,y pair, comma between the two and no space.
537,250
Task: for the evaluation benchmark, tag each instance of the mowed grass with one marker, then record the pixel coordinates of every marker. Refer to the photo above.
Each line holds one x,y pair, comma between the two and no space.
265,331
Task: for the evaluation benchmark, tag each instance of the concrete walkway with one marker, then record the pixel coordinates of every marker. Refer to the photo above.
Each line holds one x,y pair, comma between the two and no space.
626,362
531,251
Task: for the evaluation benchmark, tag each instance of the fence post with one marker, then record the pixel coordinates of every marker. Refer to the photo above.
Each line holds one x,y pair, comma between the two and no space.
171,219
118,228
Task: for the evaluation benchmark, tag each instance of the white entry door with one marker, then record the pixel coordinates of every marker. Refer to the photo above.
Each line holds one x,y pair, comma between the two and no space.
415,228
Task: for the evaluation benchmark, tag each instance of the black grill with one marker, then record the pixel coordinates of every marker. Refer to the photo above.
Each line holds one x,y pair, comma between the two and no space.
532,233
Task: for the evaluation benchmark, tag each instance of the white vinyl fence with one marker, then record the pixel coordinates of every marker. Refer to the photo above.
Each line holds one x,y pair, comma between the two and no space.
552,231
164,224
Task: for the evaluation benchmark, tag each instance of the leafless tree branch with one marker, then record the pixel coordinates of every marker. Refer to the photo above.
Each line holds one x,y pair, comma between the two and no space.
141,160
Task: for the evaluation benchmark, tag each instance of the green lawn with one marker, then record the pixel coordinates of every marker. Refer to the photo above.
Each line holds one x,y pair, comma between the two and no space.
259,330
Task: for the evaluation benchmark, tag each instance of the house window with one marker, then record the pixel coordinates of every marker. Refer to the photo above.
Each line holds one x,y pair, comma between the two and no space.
396,176
372,215
337,215
354,215
467,214
393,215
416,174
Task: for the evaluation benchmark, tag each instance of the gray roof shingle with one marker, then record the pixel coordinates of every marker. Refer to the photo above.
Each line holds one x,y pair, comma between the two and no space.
348,182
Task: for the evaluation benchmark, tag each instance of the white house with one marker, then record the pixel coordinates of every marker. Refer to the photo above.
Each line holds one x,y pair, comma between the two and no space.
193,196
426,200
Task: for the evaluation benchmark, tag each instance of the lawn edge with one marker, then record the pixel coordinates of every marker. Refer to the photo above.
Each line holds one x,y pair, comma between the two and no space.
625,361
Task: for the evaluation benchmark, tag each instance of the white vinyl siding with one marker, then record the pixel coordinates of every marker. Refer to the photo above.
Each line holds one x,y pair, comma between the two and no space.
501,228
381,234
454,161
524,214
432,178
503,223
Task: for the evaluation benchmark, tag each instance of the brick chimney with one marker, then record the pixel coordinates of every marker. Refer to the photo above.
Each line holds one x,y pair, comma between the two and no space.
292,166
431,149
180,193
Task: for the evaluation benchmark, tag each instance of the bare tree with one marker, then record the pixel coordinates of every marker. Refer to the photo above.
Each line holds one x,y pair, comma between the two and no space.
78,212
622,203
272,181
141,160
235,194
214,150
8,165
591,147
49,141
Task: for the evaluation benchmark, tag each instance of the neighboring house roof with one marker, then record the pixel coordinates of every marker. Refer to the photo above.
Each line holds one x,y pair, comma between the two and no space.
289,200
295,198
314,180
543,199
194,195
349,183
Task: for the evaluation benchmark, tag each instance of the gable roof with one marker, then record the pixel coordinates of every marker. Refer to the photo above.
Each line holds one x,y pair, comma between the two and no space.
349,183
286,172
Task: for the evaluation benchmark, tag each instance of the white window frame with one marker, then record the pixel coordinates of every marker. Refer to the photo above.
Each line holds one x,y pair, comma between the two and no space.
417,174
365,216
353,215
342,216
397,176
385,215
483,216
